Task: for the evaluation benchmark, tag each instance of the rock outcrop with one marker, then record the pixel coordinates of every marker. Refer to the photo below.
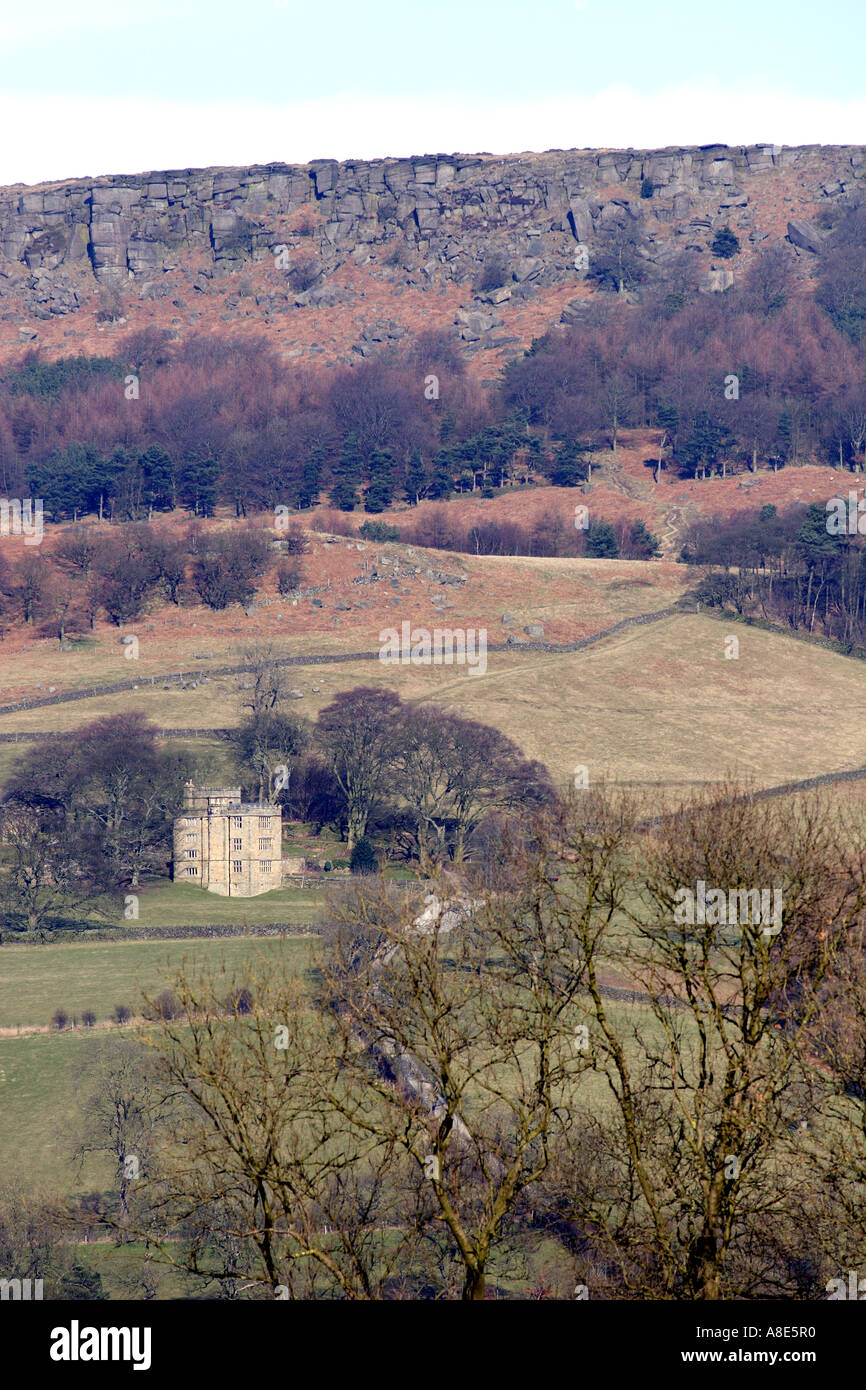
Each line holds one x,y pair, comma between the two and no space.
540,206
433,219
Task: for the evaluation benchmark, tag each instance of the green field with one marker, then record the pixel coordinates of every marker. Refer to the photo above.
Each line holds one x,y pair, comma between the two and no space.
40,1085
41,1106
43,1076
181,905
96,975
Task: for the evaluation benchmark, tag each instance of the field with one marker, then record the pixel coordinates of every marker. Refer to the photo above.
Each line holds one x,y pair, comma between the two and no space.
44,1073
649,704
40,1071
96,975
181,905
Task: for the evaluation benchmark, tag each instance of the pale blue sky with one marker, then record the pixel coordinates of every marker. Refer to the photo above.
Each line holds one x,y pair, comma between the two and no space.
108,87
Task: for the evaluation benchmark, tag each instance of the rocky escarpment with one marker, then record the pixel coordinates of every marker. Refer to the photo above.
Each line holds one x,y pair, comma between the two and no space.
437,216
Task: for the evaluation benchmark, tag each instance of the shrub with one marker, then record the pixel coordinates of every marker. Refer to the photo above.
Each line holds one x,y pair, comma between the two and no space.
647,188
398,254
493,273
294,541
327,866
122,1014
59,1019
110,305
88,1018
716,590
363,858
240,1001
80,1284
725,244
304,273
378,531
306,222
165,1006
216,586
225,571
289,576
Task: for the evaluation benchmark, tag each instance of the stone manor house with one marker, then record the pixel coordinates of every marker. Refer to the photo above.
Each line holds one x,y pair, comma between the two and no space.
226,845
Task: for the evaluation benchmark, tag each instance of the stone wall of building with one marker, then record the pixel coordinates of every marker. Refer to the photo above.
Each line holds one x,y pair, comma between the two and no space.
227,846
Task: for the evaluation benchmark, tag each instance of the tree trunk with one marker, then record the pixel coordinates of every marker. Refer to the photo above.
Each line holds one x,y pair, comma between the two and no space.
473,1286
355,827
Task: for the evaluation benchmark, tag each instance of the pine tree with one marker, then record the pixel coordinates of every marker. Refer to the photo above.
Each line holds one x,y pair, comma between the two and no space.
363,860
725,244
158,473
813,539
198,485
311,477
643,544
570,465
347,475
380,492
442,481
448,426
415,484
601,541
784,434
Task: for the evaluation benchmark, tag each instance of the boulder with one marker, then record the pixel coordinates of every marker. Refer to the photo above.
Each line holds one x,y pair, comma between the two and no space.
496,296
716,281
805,235
527,268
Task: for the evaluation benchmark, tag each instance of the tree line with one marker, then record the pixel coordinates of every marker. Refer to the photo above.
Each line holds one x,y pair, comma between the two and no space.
795,567
116,572
766,373
551,534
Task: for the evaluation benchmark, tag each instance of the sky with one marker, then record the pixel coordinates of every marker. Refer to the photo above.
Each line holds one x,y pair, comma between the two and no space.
110,87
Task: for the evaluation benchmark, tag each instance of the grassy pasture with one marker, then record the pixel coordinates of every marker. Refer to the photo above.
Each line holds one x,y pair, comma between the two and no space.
659,704
36,980
167,904
41,1092
42,1074
41,1106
